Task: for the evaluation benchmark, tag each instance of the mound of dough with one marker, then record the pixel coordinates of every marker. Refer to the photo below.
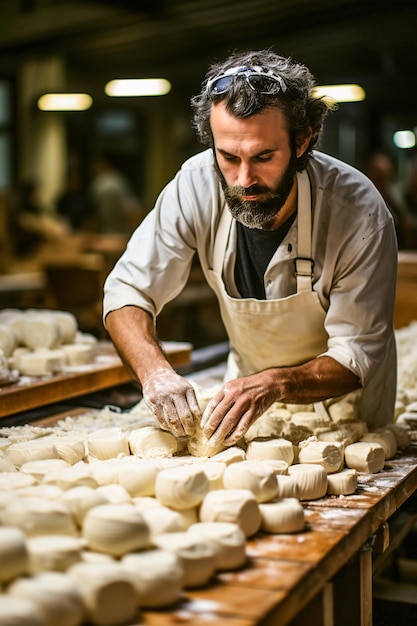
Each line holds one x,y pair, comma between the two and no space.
273,449
55,594
328,455
152,442
107,590
228,541
41,330
181,487
53,552
311,479
238,506
19,611
158,576
138,478
33,450
79,500
108,443
38,516
14,557
386,438
214,472
365,456
282,516
342,483
196,555
162,519
115,529
256,476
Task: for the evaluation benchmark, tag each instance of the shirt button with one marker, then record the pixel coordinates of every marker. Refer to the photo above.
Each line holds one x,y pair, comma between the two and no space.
268,283
290,247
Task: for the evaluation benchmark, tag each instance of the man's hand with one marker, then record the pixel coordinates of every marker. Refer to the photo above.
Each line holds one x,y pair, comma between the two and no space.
172,400
236,406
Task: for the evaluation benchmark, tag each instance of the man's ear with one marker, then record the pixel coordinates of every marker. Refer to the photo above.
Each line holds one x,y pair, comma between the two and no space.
302,141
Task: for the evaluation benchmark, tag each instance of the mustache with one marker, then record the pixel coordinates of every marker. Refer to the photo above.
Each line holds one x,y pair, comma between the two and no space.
254,190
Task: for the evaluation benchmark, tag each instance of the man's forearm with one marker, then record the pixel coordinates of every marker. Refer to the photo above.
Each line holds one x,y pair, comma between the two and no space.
133,333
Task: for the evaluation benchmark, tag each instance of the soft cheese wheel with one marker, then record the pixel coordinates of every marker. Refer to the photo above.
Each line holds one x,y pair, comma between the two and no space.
15,611
238,506
386,439
70,448
365,456
162,520
79,500
115,529
53,552
107,590
74,476
108,443
282,516
39,469
158,576
229,456
55,594
228,541
40,363
196,555
277,449
78,354
6,464
8,339
288,487
328,455
311,478
68,325
214,472
342,483
38,516
257,476
151,442
181,487
14,557
41,330
32,450
138,477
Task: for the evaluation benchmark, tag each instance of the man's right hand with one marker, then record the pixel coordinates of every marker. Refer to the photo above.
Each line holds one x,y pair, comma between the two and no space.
172,401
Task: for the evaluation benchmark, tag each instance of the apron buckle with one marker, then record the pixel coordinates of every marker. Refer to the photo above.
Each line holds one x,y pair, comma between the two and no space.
304,266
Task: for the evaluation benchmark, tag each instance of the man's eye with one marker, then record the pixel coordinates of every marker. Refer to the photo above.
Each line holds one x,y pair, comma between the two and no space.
264,158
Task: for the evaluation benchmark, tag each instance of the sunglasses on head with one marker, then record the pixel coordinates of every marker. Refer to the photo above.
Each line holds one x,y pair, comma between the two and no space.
264,82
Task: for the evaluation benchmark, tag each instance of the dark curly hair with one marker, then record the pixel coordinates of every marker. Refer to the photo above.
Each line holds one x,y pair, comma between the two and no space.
301,110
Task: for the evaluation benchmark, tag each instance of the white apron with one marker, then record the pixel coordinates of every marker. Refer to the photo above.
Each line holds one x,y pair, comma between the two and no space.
289,331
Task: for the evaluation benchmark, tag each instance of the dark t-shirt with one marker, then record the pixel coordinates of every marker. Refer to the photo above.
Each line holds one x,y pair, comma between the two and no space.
255,249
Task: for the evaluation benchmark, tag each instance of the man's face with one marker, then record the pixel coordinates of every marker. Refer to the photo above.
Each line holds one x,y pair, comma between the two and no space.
256,165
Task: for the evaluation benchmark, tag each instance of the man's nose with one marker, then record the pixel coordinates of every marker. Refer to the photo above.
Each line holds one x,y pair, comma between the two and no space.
246,175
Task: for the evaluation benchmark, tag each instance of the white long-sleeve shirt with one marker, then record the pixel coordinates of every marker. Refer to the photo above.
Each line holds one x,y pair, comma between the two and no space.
354,249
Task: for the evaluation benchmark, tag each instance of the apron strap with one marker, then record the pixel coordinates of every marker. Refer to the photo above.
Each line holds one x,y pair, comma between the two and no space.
304,263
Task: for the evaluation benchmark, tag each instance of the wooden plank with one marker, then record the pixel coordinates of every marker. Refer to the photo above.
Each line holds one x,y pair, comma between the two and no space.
107,371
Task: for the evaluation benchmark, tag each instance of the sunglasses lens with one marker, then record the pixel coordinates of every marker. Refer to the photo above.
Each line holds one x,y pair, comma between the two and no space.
263,84
221,85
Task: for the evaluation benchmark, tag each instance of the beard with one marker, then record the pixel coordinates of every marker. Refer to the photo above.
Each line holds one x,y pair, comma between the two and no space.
259,213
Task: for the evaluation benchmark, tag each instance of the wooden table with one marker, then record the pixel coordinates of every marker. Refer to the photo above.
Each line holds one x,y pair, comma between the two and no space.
322,576
107,371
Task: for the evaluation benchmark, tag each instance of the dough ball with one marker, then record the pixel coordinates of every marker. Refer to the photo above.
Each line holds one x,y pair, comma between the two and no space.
108,443
162,520
199,445
214,472
139,477
14,557
311,479
115,529
38,516
6,464
269,424
75,476
158,576
365,456
181,487
228,541
77,354
238,506
41,330
288,487
343,411
115,494
229,456
328,455
386,439
33,450
41,363
151,443
15,611
256,476
79,500
402,434
8,339
15,480
344,482
107,590
53,552
70,448
282,516
68,325
273,449
196,555
39,469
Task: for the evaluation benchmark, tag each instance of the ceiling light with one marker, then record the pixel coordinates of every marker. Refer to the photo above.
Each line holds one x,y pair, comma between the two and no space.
138,87
404,139
65,102
340,93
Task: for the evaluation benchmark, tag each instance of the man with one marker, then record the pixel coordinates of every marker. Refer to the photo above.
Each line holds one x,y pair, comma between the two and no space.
299,248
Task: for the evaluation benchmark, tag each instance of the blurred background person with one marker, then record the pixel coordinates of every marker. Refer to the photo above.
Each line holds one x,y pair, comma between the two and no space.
72,204
113,205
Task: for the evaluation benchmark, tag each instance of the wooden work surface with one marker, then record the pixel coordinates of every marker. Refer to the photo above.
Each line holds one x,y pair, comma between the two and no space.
107,371
285,572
